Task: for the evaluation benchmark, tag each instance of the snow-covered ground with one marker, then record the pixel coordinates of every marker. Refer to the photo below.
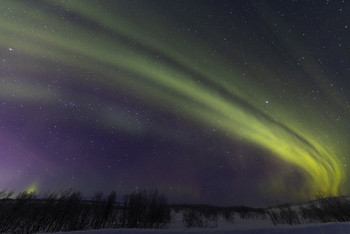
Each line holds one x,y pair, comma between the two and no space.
328,228
240,226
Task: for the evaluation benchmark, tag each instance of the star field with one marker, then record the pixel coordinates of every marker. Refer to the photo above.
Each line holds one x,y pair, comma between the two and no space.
221,102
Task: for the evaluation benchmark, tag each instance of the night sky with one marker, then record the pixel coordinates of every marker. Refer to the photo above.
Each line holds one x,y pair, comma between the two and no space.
217,102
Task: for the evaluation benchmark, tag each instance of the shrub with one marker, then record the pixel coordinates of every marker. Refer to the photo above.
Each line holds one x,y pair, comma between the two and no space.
201,216
229,215
192,218
147,210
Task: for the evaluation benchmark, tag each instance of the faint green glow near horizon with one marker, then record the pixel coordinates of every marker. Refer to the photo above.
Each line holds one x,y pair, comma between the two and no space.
243,112
32,189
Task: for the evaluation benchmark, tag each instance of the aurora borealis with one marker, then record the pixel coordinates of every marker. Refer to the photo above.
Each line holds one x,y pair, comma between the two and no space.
222,102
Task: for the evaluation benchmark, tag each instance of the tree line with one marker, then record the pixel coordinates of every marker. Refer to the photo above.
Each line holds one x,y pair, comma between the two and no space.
67,211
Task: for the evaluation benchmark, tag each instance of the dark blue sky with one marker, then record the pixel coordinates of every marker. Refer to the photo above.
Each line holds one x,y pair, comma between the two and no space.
220,102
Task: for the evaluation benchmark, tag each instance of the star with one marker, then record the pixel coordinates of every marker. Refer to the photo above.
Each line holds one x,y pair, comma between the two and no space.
118,93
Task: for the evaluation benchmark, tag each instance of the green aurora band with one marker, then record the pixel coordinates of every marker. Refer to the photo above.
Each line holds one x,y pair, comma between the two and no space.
207,90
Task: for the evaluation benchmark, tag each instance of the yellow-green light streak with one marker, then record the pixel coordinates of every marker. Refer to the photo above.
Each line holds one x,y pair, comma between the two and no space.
238,111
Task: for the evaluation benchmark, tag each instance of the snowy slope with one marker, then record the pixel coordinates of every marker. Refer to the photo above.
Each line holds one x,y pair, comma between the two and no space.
328,228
